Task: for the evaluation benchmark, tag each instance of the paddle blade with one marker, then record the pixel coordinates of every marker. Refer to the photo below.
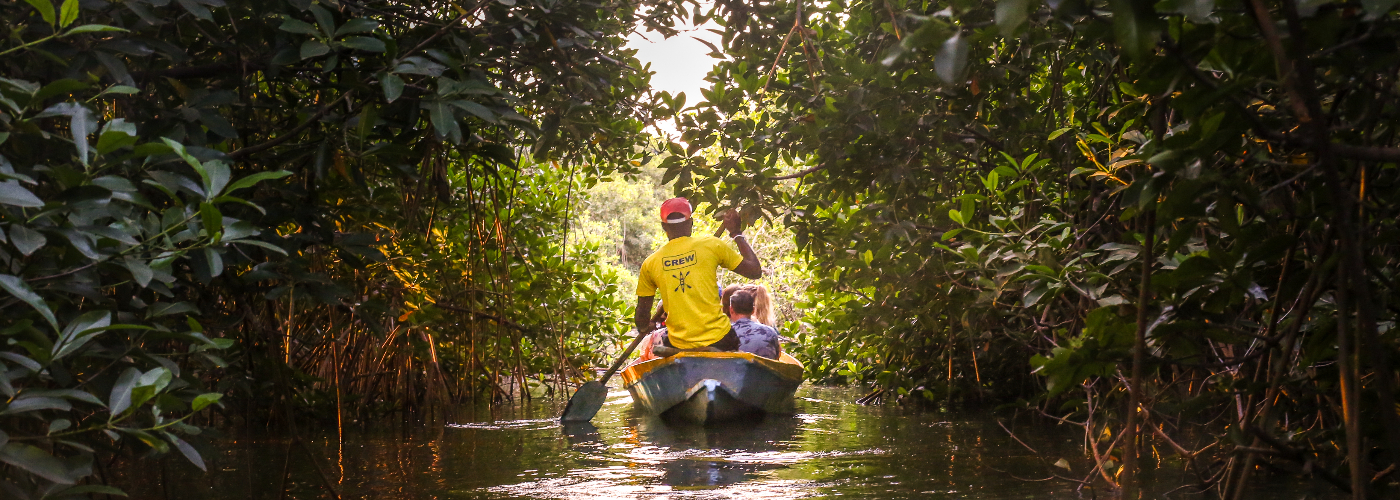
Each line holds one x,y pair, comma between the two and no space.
585,403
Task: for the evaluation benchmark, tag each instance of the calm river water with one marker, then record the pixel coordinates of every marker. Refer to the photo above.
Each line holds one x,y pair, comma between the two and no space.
831,447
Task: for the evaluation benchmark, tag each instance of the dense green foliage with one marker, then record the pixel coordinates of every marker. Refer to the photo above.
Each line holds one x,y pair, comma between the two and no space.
334,207
990,190
1174,218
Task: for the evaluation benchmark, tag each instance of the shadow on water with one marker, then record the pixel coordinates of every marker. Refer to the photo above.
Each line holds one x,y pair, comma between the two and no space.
830,447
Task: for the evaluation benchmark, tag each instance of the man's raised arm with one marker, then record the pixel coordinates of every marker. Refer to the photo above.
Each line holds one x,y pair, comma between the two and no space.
750,267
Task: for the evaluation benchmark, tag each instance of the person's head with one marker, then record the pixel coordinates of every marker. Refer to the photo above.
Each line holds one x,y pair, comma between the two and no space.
741,302
724,297
676,218
763,306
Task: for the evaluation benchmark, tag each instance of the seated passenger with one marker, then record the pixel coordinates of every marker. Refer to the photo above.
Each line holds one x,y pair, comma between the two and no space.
763,306
754,337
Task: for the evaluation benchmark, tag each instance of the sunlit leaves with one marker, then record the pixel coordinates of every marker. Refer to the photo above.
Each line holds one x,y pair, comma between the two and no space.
45,9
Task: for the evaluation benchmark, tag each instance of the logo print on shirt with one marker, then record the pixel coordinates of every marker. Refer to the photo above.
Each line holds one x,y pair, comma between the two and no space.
682,287
676,262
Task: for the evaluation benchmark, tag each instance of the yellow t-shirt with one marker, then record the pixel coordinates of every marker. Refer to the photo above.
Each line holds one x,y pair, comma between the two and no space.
684,272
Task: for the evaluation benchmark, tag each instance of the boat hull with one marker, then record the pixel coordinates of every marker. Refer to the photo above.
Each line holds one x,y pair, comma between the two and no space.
703,387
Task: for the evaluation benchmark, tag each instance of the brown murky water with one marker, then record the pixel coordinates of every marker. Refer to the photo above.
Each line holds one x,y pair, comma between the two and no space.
831,447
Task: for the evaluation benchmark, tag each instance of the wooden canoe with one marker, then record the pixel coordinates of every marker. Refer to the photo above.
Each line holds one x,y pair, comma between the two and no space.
702,387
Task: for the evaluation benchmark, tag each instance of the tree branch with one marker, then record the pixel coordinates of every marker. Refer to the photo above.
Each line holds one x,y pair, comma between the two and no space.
281,138
795,175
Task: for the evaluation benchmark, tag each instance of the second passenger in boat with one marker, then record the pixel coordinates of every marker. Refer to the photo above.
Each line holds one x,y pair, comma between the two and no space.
754,337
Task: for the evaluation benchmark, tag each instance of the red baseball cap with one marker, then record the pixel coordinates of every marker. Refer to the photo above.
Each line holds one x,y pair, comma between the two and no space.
675,210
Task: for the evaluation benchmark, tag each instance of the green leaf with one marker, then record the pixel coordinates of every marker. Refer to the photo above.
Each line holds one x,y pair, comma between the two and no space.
81,123
37,462
444,121
218,178
97,28
262,244
186,450
68,13
140,272
216,262
45,8
313,48
250,180
217,124
11,193
20,290
480,111
34,403
393,86
324,20
190,160
198,10
59,425
204,400
294,25
158,378
1011,15
365,43
120,398
148,439
79,332
357,25
951,59
1059,132
166,308
1033,295
1135,26
60,87
213,219
116,134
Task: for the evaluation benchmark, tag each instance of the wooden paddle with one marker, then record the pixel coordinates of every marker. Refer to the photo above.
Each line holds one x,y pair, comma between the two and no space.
589,397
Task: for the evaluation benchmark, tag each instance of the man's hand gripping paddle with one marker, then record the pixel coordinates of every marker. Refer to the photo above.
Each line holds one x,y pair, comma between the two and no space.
589,398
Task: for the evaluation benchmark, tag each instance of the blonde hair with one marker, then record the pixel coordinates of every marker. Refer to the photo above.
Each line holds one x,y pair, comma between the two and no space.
762,302
763,306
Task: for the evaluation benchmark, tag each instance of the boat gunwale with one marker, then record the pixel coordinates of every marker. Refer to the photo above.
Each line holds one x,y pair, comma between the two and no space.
786,366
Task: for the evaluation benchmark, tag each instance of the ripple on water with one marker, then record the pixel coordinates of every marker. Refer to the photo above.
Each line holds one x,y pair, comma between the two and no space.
510,425
613,485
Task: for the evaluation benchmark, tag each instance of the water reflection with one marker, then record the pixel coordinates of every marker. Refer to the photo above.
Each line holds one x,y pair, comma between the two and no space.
831,447
720,455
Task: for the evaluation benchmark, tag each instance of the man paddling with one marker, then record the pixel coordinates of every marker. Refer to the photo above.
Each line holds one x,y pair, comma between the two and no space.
684,273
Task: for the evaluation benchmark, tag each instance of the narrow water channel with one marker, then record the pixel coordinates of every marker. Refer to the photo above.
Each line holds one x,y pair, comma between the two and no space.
831,447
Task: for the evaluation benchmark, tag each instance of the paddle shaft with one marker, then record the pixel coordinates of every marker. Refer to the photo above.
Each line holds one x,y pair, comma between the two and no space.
618,364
